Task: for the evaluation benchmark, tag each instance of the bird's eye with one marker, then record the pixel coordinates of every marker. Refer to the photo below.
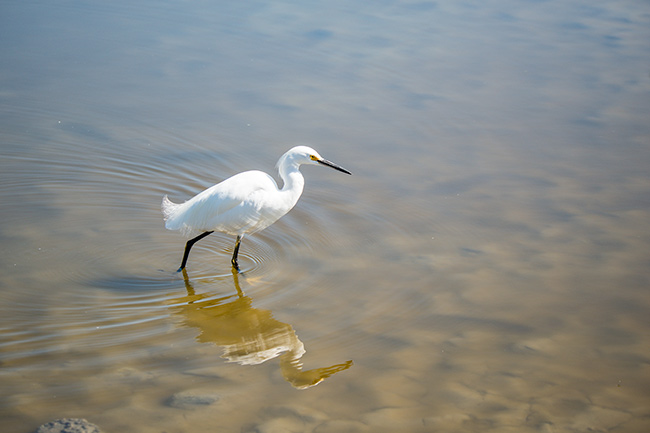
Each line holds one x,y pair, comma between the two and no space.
313,157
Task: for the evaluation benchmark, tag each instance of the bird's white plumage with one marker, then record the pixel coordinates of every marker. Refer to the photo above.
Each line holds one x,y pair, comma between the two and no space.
246,202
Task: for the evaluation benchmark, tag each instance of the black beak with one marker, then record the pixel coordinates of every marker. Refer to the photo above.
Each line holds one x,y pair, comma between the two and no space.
332,165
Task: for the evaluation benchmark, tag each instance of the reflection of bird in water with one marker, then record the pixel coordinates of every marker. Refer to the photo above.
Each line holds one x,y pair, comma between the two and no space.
245,203
249,335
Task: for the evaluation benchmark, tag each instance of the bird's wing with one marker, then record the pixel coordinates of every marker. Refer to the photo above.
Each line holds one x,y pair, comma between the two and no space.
232,206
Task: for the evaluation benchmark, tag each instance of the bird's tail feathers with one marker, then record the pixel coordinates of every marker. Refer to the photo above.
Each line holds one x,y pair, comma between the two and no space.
173,217
168,207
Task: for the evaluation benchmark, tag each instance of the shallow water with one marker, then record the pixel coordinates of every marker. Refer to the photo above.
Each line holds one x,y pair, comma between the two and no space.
485,269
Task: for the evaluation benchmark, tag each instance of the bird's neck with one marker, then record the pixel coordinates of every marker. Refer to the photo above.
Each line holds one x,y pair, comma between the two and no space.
293,184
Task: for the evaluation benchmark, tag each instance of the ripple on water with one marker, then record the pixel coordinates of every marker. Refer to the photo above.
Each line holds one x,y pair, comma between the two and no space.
101,271
105,271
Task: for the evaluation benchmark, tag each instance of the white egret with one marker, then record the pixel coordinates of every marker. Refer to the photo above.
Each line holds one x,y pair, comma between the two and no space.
242,204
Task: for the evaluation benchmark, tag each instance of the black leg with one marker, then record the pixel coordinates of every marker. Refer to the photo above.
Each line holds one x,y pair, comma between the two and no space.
235,253
188,247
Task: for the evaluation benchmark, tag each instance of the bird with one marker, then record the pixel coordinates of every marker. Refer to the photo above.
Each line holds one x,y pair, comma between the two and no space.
242,204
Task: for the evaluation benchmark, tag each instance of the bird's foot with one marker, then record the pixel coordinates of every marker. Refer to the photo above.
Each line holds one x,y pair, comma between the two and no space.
235,266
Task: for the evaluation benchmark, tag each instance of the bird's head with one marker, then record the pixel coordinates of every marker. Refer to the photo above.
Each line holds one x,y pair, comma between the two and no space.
306,155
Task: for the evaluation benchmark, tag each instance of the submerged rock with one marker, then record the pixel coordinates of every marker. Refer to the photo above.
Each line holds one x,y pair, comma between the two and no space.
69,425
192,399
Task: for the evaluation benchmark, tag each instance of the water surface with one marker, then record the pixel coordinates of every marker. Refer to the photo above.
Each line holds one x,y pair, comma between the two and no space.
485,269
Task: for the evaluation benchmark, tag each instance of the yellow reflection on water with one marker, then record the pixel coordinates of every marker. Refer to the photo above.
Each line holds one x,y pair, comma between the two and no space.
249,335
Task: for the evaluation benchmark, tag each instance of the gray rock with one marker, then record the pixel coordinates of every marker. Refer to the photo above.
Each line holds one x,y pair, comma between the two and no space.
69,425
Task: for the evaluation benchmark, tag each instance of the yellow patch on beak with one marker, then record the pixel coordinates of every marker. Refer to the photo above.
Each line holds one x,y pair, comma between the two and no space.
313,157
